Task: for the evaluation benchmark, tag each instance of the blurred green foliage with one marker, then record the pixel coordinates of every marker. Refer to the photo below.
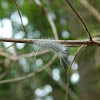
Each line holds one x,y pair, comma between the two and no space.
65,20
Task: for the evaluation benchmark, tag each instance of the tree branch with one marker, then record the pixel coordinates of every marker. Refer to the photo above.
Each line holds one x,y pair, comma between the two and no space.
28,55
91,9
79,17
95,42
31,54
6,47
69,69
53,27
31,74
62,85
20,18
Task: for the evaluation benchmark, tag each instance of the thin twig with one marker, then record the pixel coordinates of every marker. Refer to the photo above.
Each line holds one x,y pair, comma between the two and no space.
4,74
10,64
31,74
7,55
91,9
96,34
69,69
14,51
96,41
6,47
20,18
53,27
90,37
62,85
31,54
28,55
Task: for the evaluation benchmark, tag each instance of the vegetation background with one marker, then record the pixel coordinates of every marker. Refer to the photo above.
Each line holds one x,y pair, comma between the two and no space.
49,84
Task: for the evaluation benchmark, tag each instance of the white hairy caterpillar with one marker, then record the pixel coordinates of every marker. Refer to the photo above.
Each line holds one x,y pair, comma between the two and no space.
59,49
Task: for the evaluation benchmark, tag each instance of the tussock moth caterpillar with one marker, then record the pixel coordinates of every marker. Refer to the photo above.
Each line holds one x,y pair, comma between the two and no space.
59,49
